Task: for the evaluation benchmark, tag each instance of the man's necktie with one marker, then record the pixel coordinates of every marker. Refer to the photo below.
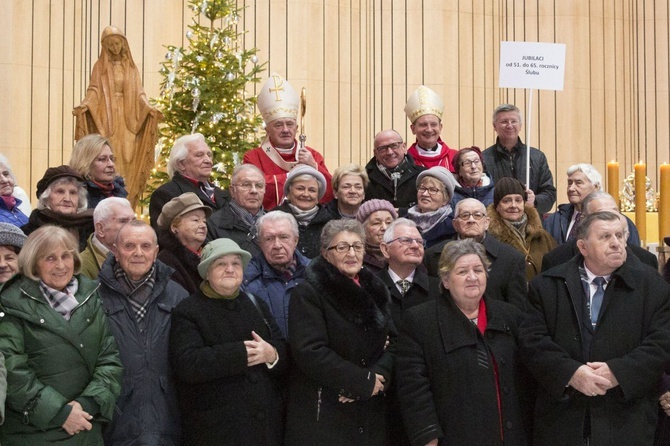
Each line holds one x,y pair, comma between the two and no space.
575,226
597,300
404,285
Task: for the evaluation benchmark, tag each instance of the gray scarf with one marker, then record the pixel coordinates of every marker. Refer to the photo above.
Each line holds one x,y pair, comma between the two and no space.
426,221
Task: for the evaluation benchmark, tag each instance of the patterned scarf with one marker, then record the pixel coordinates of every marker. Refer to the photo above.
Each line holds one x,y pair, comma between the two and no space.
245,216
519,228
426,221
63,301
138,292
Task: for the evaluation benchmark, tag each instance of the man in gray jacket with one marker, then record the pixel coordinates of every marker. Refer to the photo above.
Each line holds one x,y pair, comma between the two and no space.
138,297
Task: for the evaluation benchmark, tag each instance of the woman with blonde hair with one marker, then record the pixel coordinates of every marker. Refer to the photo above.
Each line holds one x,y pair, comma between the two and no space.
64,374
92,157
349,183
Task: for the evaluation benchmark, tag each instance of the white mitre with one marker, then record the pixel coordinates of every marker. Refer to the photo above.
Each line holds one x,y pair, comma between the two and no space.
278,99
423,101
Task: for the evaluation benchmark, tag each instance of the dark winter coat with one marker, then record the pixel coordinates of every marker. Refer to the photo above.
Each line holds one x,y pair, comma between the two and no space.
266,283
424,289
224,224
181,260
334,210
222,400
95,194
309,242
446,377
337,332
501,163
404,196
632,337
51,361
537,243
147,411
557,224
439,232
177,186
482,193
506,280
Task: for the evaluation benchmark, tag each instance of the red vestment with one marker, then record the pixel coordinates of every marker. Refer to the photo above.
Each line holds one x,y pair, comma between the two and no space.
275,176
445,159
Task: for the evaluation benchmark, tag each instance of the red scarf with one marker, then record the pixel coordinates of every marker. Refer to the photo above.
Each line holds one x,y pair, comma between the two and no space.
482,322
10,201
106,188
444,160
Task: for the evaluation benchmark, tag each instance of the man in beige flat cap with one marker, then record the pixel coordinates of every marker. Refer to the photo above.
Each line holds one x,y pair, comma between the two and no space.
424,110
278,102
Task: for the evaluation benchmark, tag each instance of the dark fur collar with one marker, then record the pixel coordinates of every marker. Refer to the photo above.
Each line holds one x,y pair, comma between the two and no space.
367,305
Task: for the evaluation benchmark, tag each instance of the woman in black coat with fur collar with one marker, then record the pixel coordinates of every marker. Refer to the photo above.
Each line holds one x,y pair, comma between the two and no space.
340,336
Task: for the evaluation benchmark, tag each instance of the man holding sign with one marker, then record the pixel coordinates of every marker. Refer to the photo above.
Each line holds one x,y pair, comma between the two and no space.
507,158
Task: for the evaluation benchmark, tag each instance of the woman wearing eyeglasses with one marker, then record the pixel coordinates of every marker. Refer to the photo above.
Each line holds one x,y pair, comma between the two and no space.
93,159
472,182
432,213
339,327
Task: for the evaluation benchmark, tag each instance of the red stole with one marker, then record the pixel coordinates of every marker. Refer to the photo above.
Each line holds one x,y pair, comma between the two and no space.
445,159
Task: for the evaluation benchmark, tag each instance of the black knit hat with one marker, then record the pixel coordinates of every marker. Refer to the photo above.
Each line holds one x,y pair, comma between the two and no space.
507,186
54,173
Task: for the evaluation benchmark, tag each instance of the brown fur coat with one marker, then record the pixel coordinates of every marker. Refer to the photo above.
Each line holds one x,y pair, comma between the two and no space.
538,242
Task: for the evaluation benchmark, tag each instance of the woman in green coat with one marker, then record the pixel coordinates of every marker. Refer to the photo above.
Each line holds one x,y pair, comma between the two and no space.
63,366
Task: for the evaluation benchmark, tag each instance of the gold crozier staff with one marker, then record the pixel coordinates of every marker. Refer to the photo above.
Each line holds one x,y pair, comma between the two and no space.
303,106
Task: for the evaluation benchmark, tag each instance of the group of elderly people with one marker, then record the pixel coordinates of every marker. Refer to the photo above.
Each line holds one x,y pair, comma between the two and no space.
229,323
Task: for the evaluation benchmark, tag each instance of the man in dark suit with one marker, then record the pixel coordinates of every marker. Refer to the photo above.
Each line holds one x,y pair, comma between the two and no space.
507,275
409,285
189,168
596,201
595,337
404,276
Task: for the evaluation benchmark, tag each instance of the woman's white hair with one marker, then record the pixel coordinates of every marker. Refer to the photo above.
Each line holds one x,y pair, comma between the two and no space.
5,162
81,192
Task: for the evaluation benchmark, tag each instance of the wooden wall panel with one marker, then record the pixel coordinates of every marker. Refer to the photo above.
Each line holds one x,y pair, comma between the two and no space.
360,60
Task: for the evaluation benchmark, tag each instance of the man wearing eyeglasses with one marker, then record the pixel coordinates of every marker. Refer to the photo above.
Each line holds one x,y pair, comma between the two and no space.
507,158
424,110
236,220
392,171
408,285
507,275
280,152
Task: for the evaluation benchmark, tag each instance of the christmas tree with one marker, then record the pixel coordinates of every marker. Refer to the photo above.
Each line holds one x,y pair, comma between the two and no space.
204,90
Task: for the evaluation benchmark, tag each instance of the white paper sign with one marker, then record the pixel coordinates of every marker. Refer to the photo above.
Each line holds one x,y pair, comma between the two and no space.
532,65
